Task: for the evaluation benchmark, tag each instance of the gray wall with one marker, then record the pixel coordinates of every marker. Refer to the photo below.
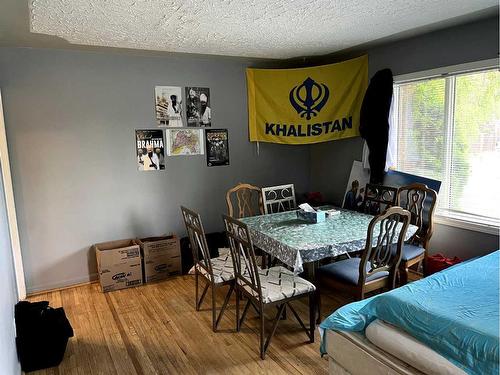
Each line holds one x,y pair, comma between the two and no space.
8,296
331,162
70,119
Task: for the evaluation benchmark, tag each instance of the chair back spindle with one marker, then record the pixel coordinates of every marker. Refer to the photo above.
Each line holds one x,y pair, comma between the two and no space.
279,198
420,201
197,239
247,200
378,198
379,252
245,265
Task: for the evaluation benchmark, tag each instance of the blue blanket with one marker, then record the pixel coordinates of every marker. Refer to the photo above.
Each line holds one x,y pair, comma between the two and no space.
455,312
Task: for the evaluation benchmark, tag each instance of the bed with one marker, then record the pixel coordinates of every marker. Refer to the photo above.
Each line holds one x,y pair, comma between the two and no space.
447,323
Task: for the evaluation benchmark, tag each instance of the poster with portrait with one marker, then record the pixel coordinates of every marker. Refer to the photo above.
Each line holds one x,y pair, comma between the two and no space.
355,189
185,142
150,150
168,107
198,109
217,147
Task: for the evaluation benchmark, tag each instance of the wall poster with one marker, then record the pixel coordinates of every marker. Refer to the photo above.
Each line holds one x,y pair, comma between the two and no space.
168,106
198,110
185,142
217,145
150,149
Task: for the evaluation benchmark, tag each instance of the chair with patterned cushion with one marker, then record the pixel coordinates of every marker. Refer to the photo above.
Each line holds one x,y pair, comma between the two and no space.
278,198
265,288
378,198
217,272
247,201
377,267
420,200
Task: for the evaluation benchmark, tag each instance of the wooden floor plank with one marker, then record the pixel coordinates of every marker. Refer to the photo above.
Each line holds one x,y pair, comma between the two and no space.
155,329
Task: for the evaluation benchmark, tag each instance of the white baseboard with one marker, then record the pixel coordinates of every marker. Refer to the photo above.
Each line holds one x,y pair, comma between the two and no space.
62,284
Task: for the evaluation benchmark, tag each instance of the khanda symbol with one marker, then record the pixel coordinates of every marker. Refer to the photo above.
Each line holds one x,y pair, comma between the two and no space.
309,98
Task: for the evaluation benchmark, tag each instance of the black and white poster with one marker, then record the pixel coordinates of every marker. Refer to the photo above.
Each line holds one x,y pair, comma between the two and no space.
168,107
150,149
217,144
198,110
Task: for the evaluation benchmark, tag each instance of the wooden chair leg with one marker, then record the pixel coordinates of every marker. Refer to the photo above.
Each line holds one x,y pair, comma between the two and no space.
312,316
237,309
214,309
244,314
196,289
298,318
360,295
273,329
224,305
283,316
203,294
262,333
318,304
403,275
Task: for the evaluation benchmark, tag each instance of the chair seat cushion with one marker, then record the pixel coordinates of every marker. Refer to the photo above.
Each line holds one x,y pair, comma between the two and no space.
411,251
348,271
279,283
222,268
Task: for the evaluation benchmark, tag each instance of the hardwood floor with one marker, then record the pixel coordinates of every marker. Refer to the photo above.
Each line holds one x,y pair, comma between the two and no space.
154,329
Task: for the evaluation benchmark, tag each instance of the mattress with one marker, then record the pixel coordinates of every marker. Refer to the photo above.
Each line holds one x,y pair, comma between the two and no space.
351,353
411,351
454,312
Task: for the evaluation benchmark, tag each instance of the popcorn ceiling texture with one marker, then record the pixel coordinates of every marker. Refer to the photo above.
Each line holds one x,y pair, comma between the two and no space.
256,28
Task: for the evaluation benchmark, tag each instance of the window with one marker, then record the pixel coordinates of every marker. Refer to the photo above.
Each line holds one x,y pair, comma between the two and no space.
447,127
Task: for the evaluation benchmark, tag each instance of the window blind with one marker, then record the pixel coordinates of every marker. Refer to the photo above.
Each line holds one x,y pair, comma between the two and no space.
448,128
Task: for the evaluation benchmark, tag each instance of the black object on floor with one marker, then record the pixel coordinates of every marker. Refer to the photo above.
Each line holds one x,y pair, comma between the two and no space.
42,335
215,241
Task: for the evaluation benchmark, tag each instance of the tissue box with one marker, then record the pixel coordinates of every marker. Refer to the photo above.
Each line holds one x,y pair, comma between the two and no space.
312,217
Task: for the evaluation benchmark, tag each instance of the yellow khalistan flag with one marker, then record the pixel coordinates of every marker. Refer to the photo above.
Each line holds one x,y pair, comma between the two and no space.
307,105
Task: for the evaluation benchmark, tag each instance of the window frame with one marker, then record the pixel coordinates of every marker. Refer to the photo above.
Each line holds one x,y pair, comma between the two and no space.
448,217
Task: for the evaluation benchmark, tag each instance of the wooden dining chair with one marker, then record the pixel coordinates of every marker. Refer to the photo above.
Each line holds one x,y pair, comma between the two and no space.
217,272
378,198
420,201
279,198
377,267
247,199
265,288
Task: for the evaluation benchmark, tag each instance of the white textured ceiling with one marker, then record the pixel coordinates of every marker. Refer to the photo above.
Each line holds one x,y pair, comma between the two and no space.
256,28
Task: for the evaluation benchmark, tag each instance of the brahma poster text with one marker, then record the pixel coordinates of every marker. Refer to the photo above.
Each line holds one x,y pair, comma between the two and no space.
150,149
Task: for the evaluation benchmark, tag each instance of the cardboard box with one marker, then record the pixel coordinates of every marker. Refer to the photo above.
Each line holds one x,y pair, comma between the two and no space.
119,264
161,257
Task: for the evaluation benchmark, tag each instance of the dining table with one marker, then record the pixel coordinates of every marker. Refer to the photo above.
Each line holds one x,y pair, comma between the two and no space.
296,242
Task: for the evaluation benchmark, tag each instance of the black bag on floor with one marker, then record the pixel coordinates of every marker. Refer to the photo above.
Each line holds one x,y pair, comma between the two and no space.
42,335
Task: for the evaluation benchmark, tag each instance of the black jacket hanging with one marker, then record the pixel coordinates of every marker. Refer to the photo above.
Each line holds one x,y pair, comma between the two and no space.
374,121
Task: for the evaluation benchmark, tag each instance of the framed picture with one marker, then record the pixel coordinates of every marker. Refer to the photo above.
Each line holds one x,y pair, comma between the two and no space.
217,147
398,179
198,109
150,150
168,107
185,142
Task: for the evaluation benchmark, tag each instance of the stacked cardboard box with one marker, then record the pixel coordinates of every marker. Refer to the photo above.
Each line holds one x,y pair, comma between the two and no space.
119,264
161,257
